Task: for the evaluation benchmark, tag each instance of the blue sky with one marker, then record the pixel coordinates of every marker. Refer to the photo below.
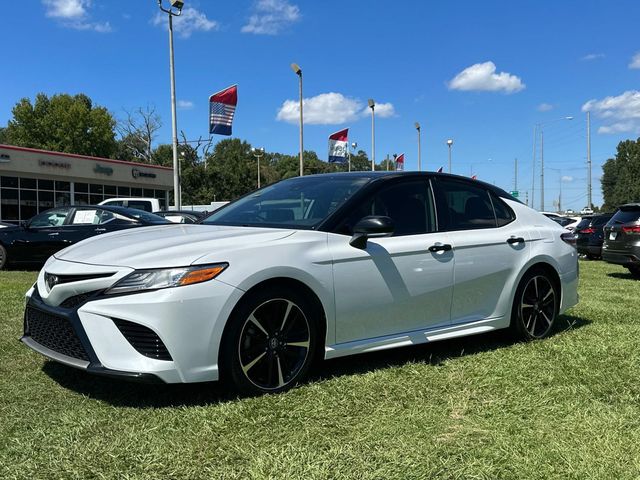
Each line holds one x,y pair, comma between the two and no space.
481,73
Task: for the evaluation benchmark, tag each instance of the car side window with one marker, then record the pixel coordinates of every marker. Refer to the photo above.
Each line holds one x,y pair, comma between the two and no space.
139,205
409,204
463,206
504,214
51,218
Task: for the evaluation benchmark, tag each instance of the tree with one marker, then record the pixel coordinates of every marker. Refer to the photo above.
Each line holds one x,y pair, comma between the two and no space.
3,136
63,123
232,169
137,134
620,175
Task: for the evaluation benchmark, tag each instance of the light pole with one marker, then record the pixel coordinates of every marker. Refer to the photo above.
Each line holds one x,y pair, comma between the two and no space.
560,193
450,143
419,152
177,4
298,71
589,191
353,146
258,153
372,106
540,127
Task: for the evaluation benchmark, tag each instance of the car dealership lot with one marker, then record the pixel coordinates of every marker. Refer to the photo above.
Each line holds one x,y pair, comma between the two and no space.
565,407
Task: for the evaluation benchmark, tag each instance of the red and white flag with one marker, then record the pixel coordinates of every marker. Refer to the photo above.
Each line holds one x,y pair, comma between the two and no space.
339,146
400,162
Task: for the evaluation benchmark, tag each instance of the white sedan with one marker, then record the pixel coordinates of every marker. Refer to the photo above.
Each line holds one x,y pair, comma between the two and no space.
308,268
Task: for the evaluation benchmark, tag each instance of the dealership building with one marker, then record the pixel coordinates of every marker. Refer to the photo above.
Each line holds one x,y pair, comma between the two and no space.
32,181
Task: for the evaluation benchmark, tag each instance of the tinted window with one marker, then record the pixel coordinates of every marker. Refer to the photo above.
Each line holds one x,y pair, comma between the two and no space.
139,205
600,220
408,204
463,206
52,218
301,202
504,214
584,223
629,214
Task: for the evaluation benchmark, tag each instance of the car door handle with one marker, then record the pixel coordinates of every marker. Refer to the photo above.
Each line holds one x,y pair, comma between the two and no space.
512,240
101,229
54,234
440,248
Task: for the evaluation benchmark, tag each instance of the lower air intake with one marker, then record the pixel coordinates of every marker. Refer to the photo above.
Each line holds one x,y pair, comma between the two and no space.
143,339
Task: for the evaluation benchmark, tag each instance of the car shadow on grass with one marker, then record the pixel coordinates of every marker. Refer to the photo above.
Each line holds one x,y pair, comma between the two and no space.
624,276
124,393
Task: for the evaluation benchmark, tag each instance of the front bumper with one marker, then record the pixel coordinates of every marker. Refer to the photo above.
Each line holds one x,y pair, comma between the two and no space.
187,321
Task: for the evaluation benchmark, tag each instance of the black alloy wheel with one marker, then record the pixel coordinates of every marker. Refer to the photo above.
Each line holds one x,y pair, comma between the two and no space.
271,341
535,306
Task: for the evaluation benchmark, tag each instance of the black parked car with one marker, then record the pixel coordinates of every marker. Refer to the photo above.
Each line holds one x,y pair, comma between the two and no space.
46,233
590,235
622,238
181,216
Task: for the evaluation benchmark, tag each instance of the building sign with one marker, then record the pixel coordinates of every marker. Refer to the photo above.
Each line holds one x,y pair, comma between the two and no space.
4,158
99,169
54,163
136,173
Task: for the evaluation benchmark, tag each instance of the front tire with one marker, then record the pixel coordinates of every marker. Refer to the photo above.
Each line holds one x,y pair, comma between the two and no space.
635,271
270,341
536,306
3,257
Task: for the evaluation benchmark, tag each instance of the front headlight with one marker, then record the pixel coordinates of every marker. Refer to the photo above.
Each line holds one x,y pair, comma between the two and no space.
156,279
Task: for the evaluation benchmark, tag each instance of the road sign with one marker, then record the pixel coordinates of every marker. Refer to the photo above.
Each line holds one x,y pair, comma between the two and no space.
515,193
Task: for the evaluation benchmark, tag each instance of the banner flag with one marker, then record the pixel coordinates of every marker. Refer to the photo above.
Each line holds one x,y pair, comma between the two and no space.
222,106
474,177
440,170
400,162
339,146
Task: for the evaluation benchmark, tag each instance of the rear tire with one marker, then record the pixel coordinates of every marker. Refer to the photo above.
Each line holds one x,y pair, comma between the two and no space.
535,306
635,271
270,341
3,257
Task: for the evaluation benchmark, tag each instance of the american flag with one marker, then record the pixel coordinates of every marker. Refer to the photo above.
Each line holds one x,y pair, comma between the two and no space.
222,107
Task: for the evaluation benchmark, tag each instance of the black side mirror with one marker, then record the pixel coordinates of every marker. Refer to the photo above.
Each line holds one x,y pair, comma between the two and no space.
370,227
25,224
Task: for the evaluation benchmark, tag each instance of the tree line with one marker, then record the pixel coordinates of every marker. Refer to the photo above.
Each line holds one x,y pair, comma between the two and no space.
224,171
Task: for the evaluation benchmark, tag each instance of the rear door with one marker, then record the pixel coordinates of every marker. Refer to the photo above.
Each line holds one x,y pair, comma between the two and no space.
490,248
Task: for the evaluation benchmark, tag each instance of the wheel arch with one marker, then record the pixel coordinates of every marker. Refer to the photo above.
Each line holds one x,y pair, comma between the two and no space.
549,269
294,284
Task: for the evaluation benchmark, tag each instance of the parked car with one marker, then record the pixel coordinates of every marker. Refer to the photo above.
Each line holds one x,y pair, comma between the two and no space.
309,267
181,216
146,204
590,235
586,211
567,222
43,235
622,238
569,211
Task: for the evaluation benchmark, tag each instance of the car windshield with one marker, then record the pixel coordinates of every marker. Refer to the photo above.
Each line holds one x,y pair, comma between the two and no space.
146,217
302,203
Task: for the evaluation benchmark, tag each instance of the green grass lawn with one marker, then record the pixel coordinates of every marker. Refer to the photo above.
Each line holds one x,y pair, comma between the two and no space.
481,407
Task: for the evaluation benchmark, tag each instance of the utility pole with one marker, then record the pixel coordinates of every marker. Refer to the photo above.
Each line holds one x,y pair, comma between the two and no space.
589,199
533,173
515,180
542,170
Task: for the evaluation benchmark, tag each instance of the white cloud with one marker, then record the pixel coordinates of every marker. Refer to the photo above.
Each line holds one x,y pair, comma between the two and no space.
270,17
592,56
635,61
184,104
189,22
74,14
567,178
330,109
620,113
544,107
483,77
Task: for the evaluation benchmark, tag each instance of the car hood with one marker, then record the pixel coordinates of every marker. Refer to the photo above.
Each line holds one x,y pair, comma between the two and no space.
166,245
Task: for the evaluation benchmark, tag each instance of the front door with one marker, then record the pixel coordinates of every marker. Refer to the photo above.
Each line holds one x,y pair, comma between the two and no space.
396,284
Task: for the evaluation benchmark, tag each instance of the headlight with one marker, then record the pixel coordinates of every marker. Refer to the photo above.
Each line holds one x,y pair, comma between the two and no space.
156,279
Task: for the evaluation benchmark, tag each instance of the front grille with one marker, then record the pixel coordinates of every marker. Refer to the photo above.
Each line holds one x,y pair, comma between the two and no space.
76,300
55,333
143,339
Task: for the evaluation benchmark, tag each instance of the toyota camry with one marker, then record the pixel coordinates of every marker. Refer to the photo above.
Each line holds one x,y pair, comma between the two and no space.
308,268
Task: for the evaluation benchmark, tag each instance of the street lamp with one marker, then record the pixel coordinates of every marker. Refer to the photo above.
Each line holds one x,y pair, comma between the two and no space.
417,125
539,126
372,106
258,153
353,146
177,5
450,142
298,71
